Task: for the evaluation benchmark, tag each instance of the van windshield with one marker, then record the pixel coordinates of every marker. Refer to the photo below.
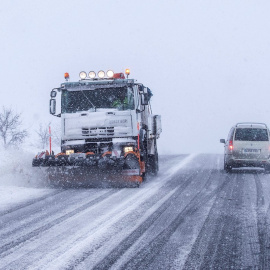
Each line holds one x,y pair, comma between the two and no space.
251,134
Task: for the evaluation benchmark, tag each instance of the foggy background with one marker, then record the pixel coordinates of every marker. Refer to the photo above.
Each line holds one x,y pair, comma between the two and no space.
207,62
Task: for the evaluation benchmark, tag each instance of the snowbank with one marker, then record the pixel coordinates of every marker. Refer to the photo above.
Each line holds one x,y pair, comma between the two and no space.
19,182
16,169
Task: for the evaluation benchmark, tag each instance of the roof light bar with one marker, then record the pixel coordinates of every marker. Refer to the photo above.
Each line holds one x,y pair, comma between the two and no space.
101,74
110,73
83,75
92,74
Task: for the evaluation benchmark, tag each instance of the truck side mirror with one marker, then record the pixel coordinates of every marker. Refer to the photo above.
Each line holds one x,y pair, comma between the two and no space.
222,141
52,106
144,99
53,94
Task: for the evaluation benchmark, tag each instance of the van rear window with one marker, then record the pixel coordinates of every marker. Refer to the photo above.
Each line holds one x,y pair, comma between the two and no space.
251,134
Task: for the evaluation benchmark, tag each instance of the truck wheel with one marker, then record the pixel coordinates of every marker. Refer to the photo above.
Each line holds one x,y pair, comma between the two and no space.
157,162
131,162
153,164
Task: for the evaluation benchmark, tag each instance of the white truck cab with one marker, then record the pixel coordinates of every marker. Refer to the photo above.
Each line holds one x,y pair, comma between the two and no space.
106,123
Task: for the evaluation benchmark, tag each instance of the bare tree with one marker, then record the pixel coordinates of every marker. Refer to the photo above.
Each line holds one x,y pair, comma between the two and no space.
56,135
43,135
11,131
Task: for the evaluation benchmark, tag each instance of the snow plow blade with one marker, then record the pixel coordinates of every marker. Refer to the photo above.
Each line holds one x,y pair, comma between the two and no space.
90,170
83,176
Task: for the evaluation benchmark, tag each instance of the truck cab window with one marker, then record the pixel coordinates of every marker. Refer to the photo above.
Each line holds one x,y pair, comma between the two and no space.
112,98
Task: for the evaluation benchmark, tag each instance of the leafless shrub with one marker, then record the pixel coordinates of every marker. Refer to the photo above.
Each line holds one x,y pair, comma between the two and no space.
56,135
11,131
43,135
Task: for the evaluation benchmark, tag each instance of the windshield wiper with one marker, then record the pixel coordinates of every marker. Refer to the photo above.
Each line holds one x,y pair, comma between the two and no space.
89,101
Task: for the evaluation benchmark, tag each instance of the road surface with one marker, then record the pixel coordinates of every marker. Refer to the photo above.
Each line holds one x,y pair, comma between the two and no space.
193,215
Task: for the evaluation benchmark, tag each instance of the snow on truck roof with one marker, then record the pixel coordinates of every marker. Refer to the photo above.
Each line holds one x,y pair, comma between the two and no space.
92,84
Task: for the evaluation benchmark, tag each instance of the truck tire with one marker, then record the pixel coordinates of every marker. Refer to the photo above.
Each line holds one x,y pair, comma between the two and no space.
131,162
153,164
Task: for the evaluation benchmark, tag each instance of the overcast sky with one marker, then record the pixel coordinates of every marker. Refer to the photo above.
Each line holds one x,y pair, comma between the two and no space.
207,62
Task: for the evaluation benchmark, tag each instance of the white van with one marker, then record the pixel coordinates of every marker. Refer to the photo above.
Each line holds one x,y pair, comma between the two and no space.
247,145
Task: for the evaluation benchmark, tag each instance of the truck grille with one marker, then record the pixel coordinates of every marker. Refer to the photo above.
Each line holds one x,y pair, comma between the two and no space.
98,132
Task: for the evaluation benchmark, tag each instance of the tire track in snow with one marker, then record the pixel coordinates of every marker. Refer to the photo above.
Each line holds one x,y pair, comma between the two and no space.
30,202
109,260
144,258
175,252
150,189
132,238
44,211
36,232
19,217
210,232
92,233
250,248
227,249
229,236
262,226
151,186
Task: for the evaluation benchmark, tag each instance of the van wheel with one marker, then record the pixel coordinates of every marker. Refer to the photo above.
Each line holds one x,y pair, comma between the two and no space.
227,168
267,169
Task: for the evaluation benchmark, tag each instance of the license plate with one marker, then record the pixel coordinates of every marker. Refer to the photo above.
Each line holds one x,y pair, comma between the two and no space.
131,172
257,151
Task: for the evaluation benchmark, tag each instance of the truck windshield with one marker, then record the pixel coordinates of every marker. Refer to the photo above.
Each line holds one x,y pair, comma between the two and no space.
251,134
103,98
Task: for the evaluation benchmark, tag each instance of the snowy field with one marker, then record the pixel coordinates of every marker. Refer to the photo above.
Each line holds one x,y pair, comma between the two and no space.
18,182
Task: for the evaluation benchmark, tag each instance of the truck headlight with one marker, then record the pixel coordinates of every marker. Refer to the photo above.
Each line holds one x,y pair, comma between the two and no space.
68,152
128,149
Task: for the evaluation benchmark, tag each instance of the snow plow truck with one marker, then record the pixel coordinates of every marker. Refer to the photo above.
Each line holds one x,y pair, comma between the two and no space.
108,130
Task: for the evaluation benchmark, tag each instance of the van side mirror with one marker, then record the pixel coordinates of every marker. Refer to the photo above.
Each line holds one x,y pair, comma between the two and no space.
52,106
222,141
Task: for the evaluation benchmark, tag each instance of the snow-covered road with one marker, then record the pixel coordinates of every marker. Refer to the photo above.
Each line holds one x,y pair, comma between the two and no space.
192,216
